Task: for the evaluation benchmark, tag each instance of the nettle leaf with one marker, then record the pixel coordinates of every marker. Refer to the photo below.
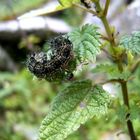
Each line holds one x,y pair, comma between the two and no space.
131,42
86,42
76,104
135,112
68,2
111,71
121,112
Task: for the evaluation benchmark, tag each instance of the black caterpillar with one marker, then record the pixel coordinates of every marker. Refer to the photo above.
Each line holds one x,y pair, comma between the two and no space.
58,64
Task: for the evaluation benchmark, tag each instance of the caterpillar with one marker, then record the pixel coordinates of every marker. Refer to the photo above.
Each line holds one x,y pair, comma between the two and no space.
56,64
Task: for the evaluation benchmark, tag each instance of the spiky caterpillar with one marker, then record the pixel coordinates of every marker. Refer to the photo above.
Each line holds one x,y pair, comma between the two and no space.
58,65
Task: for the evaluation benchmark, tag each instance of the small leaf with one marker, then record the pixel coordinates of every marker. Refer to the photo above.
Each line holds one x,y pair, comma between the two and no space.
135,112
122,111
131,42
111,71
86,42
76,104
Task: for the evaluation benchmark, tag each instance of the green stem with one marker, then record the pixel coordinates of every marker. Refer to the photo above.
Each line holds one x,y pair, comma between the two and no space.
119,63
135,66
126,102
108,30
105,22
102,15
106,7
125,93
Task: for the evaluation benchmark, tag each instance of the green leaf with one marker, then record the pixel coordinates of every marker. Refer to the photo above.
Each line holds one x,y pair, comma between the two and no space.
104,68
76,104
111,71
68,2
122,111
86,42
135,112
131,42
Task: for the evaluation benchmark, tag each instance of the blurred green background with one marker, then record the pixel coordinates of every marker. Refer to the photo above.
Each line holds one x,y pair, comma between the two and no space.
24,99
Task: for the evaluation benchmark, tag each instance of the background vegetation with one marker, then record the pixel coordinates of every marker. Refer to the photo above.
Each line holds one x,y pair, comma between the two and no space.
25,100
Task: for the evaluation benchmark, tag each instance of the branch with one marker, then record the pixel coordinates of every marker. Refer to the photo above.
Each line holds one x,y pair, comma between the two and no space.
106,7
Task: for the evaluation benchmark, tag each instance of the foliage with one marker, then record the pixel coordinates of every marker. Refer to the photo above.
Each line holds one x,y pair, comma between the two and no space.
111,71
131,42
78,105
72,107
20,101
86,42
68,13
135,112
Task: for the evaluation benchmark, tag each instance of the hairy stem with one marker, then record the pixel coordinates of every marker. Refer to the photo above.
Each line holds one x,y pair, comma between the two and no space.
106,7
126,102
119,63
102,15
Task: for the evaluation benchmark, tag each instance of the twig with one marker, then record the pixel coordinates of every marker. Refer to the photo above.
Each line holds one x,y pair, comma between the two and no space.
106,7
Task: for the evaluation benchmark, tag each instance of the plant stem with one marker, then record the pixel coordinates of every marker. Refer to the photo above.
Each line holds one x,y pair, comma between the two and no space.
119,63
126,102
106,7
102,15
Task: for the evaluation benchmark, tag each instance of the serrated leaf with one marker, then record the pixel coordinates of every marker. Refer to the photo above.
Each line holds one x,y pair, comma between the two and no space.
131,42
122,112
76,104
86,42
135,112
68,2
111,71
